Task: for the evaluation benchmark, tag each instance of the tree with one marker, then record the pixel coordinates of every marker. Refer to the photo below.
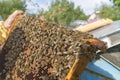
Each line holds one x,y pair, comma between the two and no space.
116,2
63,12
8,6
112,12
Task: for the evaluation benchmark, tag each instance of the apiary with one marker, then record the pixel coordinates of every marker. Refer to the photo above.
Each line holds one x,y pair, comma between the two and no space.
39,50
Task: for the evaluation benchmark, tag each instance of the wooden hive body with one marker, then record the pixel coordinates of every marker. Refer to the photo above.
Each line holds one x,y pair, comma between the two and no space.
38,50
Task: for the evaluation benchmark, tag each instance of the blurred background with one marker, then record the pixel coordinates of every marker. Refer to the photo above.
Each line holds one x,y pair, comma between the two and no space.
62,12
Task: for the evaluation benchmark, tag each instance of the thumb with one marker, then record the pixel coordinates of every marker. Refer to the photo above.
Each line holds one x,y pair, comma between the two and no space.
8,22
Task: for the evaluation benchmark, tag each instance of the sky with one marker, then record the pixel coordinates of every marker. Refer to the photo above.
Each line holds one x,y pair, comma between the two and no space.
88,6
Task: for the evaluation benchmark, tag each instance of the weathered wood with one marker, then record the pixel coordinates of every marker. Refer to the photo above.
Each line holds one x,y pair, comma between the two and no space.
77,68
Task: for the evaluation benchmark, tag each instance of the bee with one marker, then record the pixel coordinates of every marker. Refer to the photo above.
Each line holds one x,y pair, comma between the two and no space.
50,47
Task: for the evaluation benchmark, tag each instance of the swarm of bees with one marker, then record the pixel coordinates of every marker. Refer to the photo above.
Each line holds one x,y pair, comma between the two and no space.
38,50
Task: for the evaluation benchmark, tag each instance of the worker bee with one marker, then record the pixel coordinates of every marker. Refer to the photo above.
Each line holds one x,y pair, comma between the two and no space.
52,50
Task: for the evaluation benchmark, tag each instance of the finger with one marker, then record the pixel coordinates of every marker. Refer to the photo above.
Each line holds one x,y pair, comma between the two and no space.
12,17
18,12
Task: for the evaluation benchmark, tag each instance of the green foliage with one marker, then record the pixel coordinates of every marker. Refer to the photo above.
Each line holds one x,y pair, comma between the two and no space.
117,2
9,6
112,12
63,12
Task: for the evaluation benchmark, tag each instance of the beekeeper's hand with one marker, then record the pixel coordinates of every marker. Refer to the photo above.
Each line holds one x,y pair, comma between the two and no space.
5,25
10,19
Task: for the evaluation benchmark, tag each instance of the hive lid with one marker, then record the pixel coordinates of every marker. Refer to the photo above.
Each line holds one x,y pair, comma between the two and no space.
113,58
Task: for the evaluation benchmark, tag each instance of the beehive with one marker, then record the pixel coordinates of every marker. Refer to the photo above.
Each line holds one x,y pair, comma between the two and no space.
38,50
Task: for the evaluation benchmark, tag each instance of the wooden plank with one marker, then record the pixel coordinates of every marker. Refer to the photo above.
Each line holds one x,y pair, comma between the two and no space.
94,25
77,68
